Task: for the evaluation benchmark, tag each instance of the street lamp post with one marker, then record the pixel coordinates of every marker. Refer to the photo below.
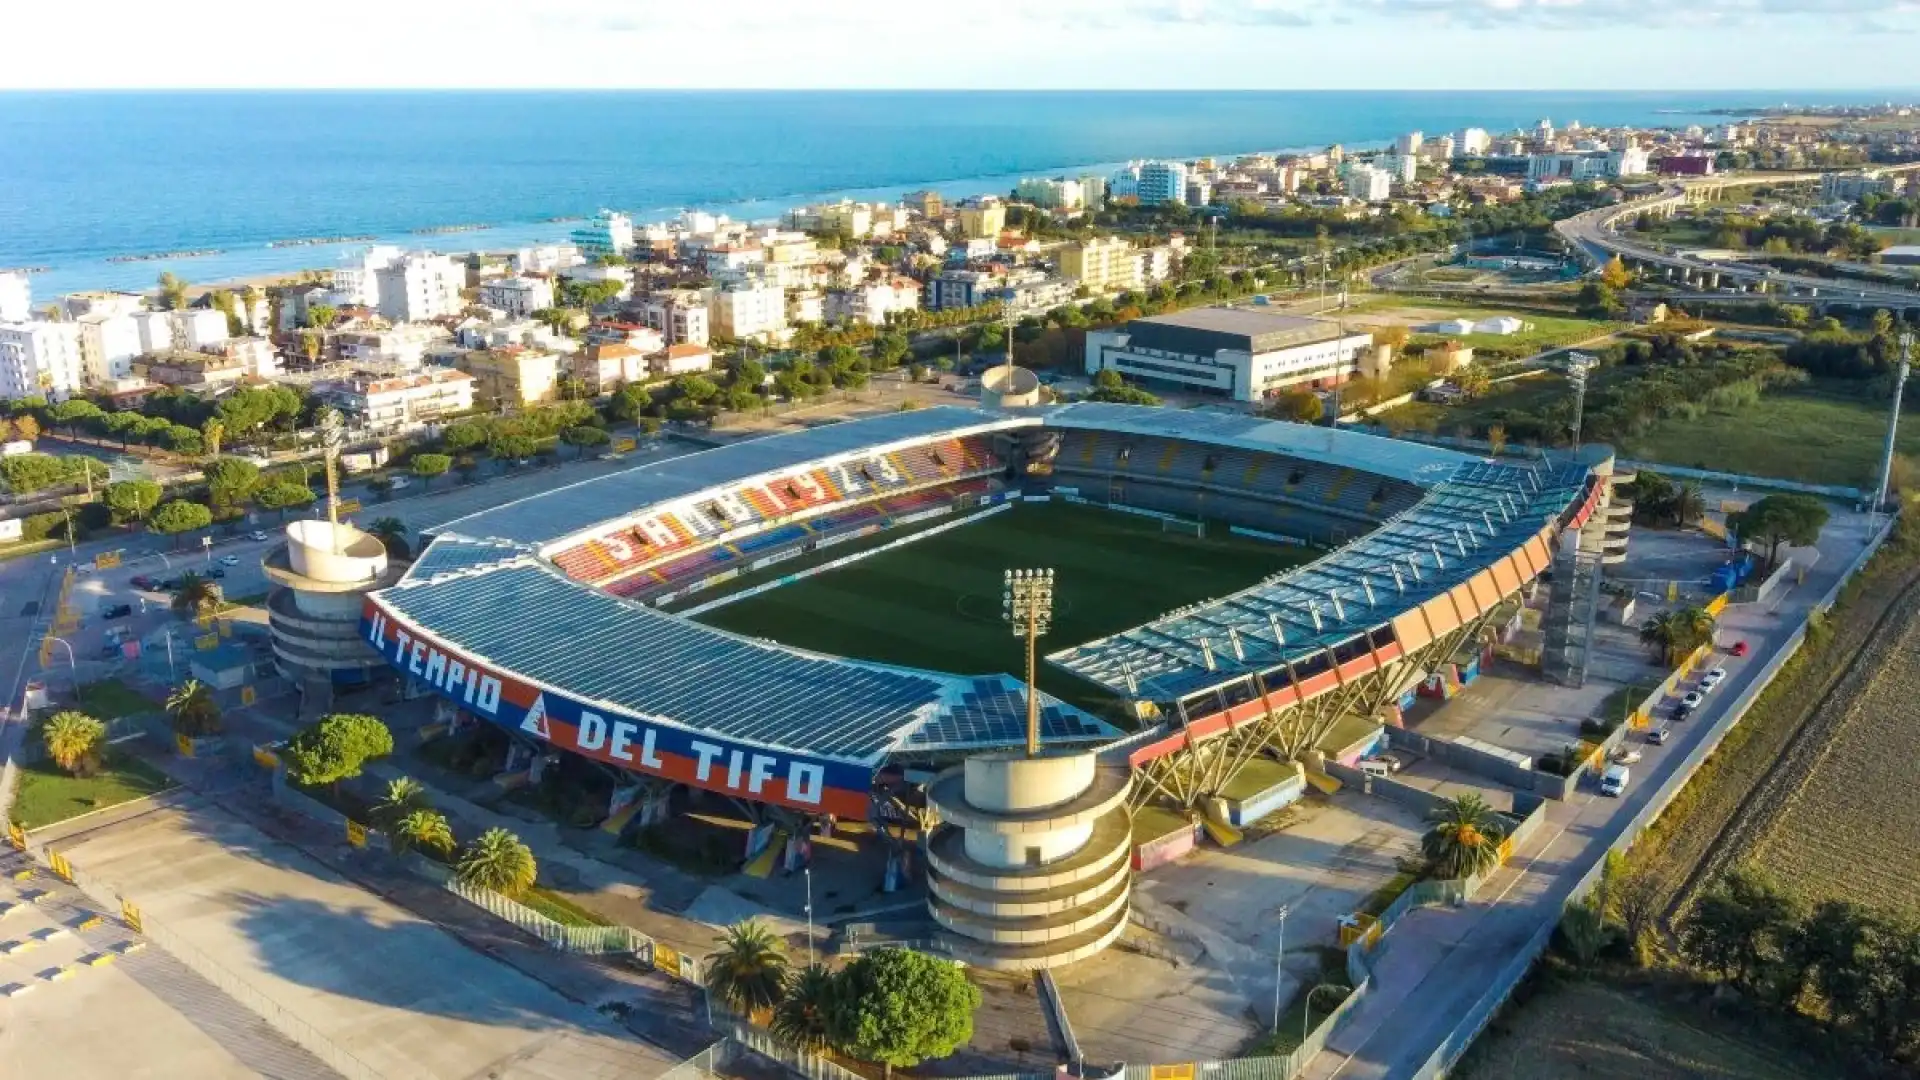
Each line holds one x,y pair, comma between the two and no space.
1578,364
1027,607
807,871
72,665
1279,955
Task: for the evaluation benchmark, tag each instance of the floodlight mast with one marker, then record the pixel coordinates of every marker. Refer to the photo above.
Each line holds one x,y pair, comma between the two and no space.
1026,605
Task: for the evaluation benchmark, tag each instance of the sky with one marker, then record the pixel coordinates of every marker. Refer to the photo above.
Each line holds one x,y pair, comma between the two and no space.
1035,44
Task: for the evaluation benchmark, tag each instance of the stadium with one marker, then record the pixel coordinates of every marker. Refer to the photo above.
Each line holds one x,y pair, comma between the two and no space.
587,619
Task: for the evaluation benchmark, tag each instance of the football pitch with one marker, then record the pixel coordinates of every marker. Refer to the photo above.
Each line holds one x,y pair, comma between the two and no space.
935,603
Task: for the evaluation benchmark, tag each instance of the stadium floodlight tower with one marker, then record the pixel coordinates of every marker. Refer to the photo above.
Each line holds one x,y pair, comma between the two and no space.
1578,365
1027,606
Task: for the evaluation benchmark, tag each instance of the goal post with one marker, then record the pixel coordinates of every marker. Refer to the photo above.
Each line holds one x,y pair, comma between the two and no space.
1195,529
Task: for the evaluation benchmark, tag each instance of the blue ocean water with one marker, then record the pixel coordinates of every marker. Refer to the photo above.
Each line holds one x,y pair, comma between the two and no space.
85,177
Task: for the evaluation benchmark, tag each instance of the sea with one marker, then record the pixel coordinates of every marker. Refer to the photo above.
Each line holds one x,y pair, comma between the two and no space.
105,190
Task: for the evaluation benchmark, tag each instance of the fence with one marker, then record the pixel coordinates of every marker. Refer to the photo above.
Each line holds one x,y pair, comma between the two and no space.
1496,994
301,1033
589,940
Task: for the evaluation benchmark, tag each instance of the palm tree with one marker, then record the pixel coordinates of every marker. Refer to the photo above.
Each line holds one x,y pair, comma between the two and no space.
404,796
211,434
193,710
421,830
392,532
1689,503
1463,838
197,594
73,741
749,969
498,861
1674,634
803,1019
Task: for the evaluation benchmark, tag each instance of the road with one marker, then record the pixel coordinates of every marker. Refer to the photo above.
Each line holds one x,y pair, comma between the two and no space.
1435,963
1594,233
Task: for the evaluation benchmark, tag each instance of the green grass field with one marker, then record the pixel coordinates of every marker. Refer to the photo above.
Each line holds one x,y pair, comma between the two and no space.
936,603
1813,437
47,795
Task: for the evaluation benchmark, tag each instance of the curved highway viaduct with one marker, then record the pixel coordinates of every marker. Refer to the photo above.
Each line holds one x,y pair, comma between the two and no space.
1595,237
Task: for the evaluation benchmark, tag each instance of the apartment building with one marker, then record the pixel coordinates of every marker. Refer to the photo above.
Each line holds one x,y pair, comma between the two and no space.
404,347
108,344
388,404
1103,265
607,366
984,217
1161,182
184,367
1368,184
419,286
872,301
680,316
40,359
512,376
607,233
1052,193
748,312
518,296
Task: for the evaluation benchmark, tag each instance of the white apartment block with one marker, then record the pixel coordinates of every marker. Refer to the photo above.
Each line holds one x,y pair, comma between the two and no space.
683,360
1402,167
608,233
1162,182
1051,193
1408,145
403,347
517,296
724,257
257,354
871,302
747,312
420,286
40,359
1473,142
681,317
1103,265
200,328
357,282
1368,184
108,344
16,297
544,260
409,399
1627,161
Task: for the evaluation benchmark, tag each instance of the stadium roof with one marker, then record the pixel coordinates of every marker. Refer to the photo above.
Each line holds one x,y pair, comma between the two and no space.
526,618
1394,458
559,514
1204,331
1481,509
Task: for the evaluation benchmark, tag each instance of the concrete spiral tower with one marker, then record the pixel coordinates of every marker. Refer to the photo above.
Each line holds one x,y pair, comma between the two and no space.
1029,869
323,575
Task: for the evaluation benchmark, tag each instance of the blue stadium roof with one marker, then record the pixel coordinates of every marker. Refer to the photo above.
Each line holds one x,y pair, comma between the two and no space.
1482,509
528,619
450,554
1395,458
563,512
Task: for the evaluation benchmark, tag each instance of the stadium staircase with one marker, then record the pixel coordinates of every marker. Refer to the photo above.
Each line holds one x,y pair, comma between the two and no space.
1339,485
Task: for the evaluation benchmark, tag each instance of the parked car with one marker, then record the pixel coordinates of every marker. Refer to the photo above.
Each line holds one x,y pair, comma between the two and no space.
1626,756
229,560
1613,782
1659,736
1713,678
168,585
1739,648
256,536
142,581
1693,700
117,611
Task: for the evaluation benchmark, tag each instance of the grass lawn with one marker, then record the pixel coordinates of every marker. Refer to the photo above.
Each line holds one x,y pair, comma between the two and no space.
46,795
111,699
1546,331
936,603
560,909
1600,1031
1809,436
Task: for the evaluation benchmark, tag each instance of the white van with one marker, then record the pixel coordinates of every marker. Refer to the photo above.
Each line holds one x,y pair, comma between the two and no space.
1614,780
397,483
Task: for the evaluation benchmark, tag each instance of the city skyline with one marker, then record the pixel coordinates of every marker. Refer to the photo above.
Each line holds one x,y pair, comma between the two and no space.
1072,44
